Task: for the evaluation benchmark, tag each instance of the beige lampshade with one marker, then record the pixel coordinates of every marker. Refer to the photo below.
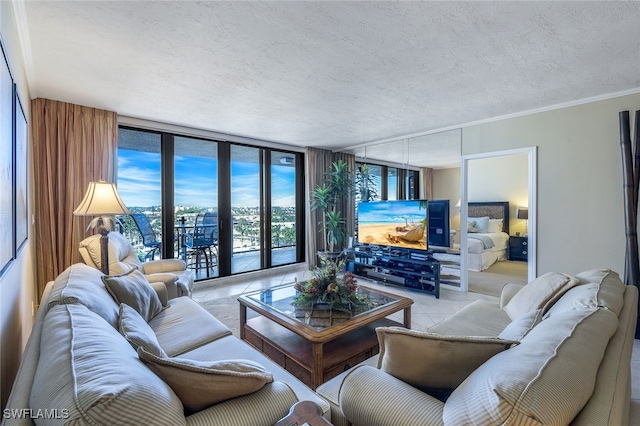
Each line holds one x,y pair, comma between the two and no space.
101,199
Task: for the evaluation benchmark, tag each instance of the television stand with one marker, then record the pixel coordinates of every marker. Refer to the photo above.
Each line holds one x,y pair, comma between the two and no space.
449,260
416,269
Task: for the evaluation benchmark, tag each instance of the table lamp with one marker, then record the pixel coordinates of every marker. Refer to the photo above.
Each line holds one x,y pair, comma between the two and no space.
523,213
102,200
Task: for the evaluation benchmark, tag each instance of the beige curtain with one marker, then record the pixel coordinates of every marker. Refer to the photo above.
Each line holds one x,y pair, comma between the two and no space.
317,161
72,146
427,182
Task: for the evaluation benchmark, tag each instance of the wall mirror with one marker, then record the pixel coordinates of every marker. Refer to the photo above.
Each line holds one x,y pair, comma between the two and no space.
498,184
506,176
437,151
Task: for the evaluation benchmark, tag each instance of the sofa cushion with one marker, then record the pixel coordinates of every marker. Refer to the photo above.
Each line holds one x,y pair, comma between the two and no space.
267,405
137,332
519,327
201,384
133,289
80,283
599,288
220,349
432,362
185,325
87,368
540,293
479,318
369,397
547,379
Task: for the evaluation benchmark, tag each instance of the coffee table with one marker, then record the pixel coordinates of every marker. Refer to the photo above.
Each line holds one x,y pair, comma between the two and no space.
316,353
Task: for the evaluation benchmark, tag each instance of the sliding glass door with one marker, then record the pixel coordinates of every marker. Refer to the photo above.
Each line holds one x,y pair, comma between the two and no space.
283,208
223,208
195,190
139,186
246,208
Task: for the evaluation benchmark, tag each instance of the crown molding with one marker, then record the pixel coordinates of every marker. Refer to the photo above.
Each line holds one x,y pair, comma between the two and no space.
20,16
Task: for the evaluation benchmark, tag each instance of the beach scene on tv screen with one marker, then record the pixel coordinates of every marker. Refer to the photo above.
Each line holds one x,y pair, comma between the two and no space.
398,223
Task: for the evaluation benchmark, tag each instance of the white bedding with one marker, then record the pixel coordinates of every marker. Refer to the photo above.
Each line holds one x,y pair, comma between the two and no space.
480,258
500,241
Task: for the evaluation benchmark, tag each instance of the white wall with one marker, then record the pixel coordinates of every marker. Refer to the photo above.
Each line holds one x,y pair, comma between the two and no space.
504,178
17,284
580,198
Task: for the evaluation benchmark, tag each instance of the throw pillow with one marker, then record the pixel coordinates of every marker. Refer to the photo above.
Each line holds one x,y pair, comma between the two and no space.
482,223
137,332
472,227
519,327
134,290
540,293
432,362
495,225
546,380
201,384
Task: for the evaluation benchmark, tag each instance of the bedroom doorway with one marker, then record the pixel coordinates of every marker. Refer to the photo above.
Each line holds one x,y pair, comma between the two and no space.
498,174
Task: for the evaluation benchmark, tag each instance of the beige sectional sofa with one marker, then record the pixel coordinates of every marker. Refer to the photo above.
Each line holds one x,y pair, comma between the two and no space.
78,368
556,351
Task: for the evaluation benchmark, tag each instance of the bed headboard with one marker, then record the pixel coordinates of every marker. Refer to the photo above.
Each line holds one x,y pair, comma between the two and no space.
493,209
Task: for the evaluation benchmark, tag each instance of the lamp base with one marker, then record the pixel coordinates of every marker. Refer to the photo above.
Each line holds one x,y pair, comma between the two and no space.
104,249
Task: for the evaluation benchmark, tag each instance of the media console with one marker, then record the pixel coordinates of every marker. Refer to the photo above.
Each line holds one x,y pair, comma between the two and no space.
415,269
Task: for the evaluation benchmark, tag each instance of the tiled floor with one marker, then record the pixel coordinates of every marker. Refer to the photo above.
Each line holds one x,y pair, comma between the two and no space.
426,311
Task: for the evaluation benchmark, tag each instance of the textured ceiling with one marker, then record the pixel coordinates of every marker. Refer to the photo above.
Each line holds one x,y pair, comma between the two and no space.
328,74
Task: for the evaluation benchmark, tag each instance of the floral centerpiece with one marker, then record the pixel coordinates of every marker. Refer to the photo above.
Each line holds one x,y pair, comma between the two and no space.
327,288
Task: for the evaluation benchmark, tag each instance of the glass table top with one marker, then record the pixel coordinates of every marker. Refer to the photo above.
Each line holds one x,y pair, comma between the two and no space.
280,298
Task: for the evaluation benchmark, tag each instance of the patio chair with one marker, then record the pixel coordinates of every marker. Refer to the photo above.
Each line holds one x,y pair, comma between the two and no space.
204,241
149,238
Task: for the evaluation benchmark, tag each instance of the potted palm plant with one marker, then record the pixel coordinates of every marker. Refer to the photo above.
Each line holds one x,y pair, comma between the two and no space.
328,197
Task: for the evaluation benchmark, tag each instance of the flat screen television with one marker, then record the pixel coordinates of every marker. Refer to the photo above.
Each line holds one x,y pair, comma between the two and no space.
388,223
396,223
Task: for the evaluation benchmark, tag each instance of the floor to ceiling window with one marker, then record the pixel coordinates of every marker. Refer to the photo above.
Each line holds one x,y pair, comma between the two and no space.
216,204
283,208
195,193
246,208
139,186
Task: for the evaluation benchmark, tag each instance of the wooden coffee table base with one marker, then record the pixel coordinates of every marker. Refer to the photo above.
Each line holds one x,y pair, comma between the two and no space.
313,363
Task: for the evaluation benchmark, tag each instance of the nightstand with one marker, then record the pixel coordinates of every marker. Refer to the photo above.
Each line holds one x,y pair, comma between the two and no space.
518,248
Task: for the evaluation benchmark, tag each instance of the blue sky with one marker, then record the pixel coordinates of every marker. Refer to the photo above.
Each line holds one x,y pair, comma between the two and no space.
196,181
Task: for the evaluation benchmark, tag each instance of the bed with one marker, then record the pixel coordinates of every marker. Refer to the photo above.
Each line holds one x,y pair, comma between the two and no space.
488,234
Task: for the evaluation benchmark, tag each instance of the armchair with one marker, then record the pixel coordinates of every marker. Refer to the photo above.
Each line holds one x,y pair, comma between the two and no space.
122,258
